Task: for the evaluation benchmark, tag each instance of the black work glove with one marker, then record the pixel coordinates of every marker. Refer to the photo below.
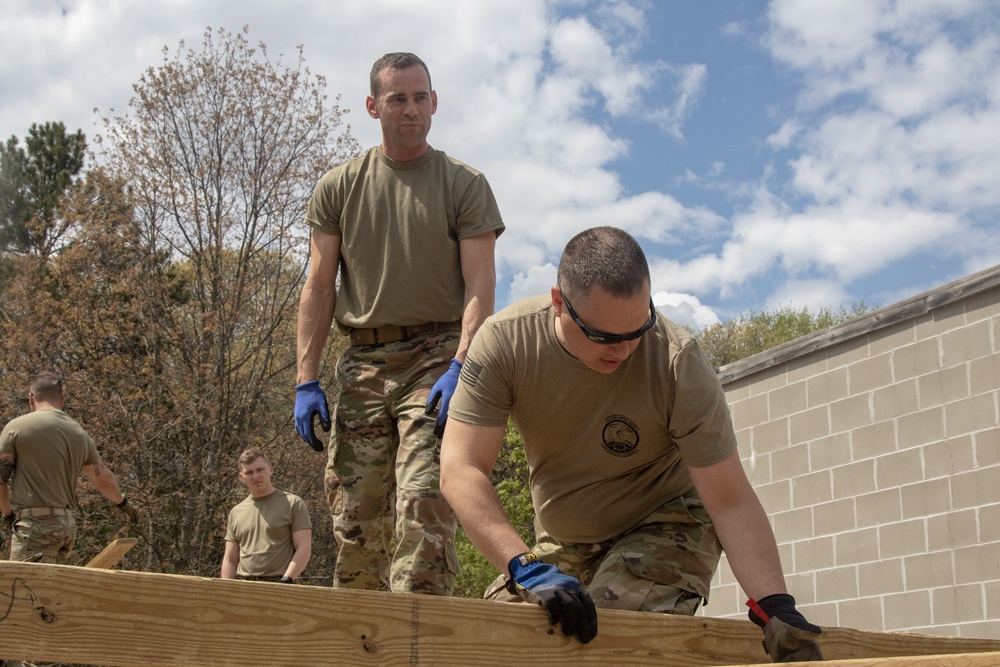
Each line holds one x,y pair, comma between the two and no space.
788,636
565,598
130,514
285,579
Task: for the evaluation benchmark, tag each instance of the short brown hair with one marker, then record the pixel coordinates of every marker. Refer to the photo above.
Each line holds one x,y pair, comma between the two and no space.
400,60
46,387
605,257
248,456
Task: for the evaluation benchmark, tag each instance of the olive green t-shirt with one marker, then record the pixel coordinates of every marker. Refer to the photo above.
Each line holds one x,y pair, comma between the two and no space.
603,450
50,449
263,528
400,224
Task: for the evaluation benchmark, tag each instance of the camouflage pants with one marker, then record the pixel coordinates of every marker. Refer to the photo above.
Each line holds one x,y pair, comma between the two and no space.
384,469
43,539
665,564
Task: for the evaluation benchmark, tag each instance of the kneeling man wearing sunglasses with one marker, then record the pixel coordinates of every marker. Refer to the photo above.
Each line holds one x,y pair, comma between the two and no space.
635,478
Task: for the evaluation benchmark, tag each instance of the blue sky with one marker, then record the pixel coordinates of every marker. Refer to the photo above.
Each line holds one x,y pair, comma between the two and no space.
800,153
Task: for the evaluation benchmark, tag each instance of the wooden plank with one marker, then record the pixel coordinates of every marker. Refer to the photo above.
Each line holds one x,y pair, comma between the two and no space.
132,619
112,553
991,659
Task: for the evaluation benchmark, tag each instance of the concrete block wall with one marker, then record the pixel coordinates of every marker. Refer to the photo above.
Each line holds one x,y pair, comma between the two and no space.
877,457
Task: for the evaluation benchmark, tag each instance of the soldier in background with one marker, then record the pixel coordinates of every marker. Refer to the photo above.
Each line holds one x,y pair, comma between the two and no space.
269,533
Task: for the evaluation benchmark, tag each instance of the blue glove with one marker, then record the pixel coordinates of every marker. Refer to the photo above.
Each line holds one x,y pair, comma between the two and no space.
565,598
309,402
443,390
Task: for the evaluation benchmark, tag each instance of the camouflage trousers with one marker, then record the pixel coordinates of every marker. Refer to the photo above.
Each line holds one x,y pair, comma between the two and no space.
384,469
43,539
665,564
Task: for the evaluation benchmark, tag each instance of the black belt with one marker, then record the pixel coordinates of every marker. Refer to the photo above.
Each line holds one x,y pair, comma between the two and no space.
392,333
272,577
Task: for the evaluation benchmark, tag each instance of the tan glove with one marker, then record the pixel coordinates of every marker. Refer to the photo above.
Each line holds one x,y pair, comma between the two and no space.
130,514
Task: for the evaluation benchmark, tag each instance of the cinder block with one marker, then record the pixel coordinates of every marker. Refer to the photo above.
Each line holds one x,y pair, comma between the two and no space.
881,507
749,412
834,517
861,613
926,498
855,479
892,338
812,489
873,441
904,611
987,444
830,452
796,524
809,425
970,342
813,555
881,577
949,457
954,529
898,469
943,386
787,400
902,539
790,462
839,583
869,374
776,496
914,360
977,413
929,570
851,413
895,400
976,564
859,546
827,387
770,436
984,374
989,523
920,428
976,488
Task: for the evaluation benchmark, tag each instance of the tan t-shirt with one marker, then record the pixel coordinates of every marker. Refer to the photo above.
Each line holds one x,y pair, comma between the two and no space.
50,449
263,528
400,224
603,451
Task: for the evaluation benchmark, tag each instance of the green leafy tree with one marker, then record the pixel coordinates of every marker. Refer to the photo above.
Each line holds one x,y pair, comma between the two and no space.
757,331
33,179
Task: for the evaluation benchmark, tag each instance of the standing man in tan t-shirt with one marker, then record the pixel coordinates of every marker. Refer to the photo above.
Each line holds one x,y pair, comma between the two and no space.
41,455
410,231
269,533
635,478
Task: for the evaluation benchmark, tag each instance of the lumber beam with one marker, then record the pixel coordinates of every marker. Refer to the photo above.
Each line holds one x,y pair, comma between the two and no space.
138,619
112,553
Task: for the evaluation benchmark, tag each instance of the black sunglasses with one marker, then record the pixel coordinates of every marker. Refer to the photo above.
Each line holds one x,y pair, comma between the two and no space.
609,338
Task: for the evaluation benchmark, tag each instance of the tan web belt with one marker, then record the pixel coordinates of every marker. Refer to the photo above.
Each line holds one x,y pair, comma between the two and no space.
392,333
28,512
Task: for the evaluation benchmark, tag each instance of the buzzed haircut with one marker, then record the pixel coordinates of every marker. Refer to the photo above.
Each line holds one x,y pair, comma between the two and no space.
400,60
248,456
46,387
605,257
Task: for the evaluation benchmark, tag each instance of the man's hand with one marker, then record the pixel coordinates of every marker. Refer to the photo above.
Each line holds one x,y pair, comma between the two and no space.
285,579
11,518
788,636
309,402
565,598
130,514
443,390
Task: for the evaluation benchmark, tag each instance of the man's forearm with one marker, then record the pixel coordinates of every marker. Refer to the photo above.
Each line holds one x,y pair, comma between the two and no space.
749,543
316,308
483,518
300,559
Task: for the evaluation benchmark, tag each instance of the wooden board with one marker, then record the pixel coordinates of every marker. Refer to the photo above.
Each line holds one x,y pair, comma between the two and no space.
112,553
136,619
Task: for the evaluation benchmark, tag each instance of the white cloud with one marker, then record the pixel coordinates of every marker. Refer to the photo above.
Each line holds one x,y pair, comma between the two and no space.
685,310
